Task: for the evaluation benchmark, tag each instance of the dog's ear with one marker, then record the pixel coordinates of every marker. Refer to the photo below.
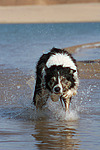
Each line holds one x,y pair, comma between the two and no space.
72,71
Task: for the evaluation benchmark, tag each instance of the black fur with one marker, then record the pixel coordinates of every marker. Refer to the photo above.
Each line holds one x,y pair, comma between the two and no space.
63,71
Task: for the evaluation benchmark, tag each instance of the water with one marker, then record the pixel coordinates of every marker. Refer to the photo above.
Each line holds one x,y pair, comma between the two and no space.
24,43
21,126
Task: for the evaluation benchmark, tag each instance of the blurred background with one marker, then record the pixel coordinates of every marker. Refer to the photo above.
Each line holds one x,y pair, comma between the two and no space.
43,2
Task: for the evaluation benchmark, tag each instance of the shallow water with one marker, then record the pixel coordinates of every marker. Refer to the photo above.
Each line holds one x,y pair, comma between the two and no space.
24,43
21,126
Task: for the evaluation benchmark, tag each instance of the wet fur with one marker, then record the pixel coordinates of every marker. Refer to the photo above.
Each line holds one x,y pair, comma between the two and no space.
52,72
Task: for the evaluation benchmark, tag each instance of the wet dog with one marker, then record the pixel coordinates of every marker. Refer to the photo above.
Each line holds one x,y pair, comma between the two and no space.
56,77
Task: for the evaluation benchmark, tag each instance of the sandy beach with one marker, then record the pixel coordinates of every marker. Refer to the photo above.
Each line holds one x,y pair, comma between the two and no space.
85,12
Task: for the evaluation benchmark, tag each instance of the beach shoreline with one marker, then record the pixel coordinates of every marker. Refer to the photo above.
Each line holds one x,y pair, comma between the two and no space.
62,13
74,48
87,69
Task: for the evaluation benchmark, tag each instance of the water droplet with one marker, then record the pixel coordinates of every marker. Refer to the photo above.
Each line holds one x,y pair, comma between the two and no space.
18,87
94,86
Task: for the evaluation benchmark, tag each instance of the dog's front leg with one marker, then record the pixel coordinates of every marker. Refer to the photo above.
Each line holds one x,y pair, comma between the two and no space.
66,97
67,103
40,98
66,100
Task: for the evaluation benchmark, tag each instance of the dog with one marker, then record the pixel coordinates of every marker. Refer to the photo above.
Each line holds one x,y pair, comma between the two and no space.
56,77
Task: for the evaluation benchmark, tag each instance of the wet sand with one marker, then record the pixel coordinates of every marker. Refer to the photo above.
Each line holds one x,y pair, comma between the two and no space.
85,12
89,70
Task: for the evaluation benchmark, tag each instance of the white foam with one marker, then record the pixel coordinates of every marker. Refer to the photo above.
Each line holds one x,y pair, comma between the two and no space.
59,113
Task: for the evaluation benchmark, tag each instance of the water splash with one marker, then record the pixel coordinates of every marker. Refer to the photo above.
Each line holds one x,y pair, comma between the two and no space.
59,113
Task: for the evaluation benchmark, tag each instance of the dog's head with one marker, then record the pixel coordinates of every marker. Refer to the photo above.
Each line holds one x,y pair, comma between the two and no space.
59,79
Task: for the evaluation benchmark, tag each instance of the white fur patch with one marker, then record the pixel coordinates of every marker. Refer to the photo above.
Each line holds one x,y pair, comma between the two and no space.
61,59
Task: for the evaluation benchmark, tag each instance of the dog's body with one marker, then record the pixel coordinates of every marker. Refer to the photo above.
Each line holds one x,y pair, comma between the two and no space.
56,77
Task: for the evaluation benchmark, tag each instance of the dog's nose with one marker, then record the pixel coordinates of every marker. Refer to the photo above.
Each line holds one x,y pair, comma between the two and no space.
57,89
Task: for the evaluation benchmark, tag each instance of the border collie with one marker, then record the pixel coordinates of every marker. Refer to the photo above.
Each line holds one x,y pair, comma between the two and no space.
56,77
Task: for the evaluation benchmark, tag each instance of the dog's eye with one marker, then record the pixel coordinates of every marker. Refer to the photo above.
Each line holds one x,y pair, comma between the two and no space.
53,78
63,79
66,82
51,83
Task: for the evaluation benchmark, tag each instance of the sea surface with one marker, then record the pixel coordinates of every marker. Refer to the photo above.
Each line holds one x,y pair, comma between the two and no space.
22,127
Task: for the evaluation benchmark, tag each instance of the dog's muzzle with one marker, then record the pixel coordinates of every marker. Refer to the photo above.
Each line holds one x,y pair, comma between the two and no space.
57,89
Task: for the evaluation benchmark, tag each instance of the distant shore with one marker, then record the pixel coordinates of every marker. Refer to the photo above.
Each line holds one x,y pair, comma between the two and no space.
84,12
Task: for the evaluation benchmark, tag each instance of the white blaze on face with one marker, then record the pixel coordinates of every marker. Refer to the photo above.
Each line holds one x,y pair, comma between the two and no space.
58,85
61,59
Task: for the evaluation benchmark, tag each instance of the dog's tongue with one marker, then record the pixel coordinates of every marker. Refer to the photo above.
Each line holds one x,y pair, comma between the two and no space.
54,97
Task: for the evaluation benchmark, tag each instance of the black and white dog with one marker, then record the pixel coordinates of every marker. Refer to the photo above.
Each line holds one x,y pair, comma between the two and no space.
56,77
